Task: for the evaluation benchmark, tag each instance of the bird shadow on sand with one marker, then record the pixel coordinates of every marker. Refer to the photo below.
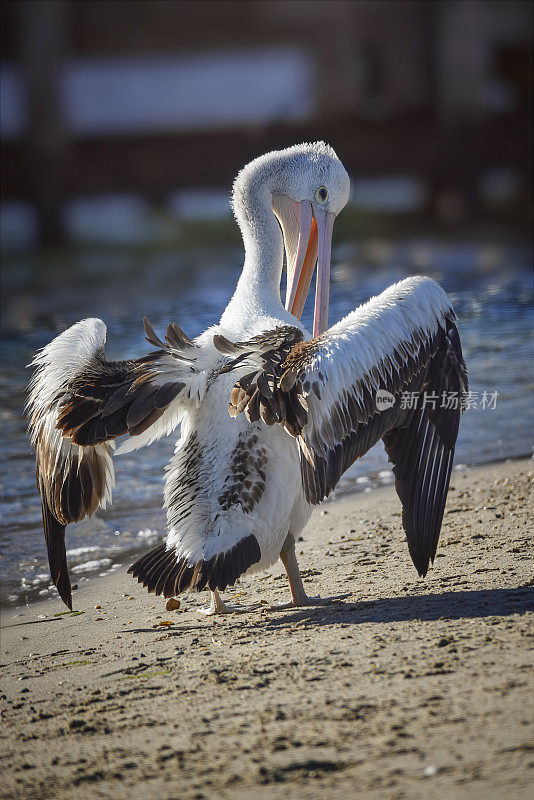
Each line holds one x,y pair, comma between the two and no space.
427,607
31,622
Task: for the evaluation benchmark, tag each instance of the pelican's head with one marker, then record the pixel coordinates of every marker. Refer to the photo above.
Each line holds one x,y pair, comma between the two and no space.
306,186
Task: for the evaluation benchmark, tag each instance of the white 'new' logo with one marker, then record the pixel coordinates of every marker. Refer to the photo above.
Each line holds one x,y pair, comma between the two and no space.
384,399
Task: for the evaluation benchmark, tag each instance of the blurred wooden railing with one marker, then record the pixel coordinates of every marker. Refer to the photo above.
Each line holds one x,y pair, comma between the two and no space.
154,165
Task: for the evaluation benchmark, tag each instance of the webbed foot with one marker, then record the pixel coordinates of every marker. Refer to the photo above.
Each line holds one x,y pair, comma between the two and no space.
218,606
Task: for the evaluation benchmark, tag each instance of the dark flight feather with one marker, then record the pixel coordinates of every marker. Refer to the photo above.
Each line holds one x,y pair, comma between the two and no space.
106,399
161,572
419,441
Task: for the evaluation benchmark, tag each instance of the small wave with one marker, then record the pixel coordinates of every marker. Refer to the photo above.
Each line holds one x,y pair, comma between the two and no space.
385,476
78,551
39,578
147,534
91,566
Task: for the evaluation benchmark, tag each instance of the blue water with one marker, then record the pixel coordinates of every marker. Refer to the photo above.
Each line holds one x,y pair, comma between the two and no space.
490,285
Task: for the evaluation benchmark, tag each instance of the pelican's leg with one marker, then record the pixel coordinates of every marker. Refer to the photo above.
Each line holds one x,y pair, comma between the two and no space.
218,606
298,593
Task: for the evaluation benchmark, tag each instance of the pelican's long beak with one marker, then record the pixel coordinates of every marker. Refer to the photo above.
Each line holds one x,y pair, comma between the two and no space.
325,225
308,240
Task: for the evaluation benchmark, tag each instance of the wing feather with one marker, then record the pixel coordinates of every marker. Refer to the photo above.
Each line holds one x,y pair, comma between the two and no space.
164,572
325,392
78,403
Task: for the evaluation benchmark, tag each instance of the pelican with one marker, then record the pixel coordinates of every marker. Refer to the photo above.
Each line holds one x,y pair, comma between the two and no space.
270,415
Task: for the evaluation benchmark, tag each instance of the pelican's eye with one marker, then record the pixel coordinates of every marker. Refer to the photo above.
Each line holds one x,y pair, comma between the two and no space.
321,195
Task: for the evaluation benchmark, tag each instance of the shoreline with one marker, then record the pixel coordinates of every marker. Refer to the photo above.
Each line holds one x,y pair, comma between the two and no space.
352,496
409,687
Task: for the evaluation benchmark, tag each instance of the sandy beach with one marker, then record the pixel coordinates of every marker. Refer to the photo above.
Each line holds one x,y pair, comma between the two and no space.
408,688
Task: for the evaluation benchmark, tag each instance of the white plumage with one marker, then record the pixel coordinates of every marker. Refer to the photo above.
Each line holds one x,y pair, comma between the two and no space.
241,485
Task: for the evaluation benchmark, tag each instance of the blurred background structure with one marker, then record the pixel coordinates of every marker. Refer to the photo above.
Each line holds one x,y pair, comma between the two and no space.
102,101
123,125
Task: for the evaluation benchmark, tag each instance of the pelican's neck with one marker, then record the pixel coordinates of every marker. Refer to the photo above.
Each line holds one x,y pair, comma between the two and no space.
257,293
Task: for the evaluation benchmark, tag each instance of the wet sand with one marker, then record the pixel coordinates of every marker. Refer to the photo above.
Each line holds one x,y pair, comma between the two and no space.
408,688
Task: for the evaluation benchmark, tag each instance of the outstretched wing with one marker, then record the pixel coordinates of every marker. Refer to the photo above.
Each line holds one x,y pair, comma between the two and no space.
392,370
78,404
